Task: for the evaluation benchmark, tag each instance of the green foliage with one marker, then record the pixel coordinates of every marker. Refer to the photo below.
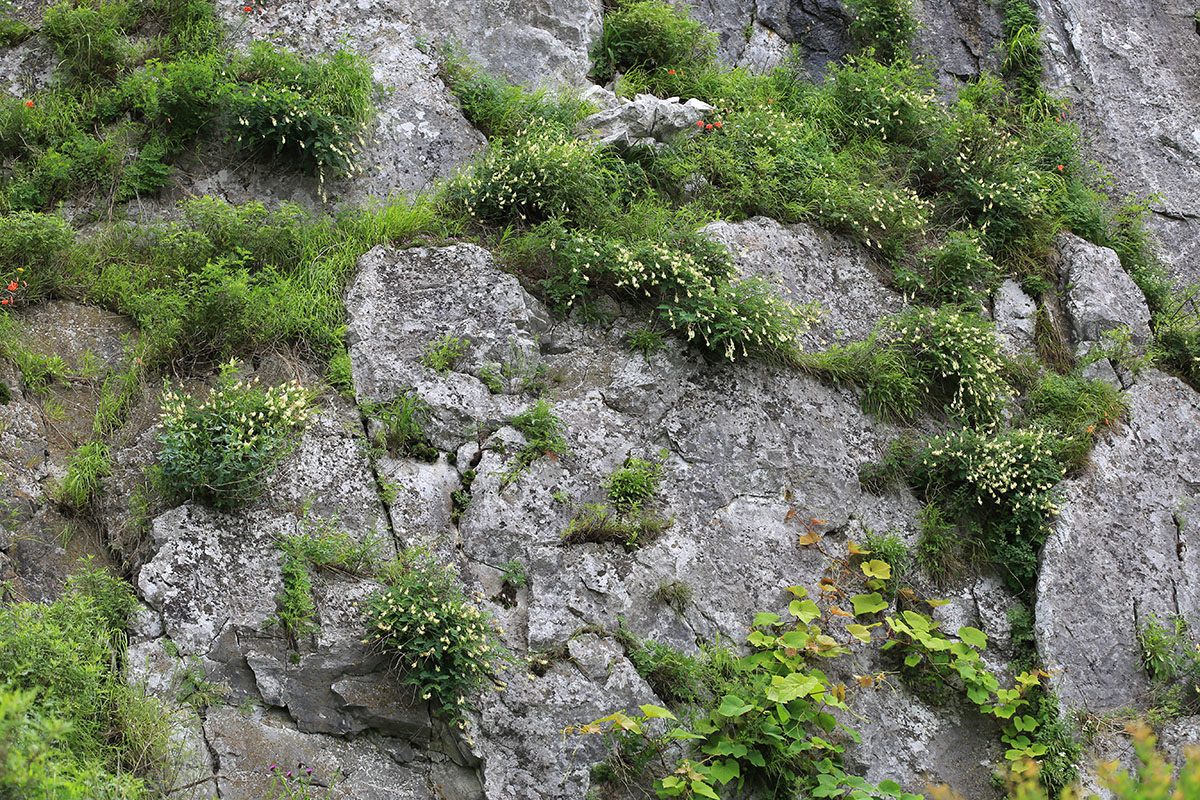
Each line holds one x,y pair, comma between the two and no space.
441,643
675,594
402,426
1077,408
32,249
514,575
314,110
296,607
634,483
653,35
12,31
88,35
544,435
1002,482
677,679
696,292
442,354
598,523
886,27
70,727
85,467
1169,651
501,109
937,550
542,171
644,340
891,550
943,359
958,271
221,450
340,374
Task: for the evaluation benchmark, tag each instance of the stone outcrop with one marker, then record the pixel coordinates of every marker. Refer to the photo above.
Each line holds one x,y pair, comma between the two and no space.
1100,295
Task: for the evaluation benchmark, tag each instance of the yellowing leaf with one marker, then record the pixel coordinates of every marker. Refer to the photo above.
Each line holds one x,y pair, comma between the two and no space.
798,591
838,612
812,537
788,516
859,632
877,569
656,712
855,550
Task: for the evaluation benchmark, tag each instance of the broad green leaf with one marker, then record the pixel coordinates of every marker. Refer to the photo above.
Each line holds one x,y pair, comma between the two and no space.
783,690
680,733
890,788
733,706
1025,722
868,603
794,639
656,712
725,771
973,636
912,659
877,569
703,789
765,618
804,610
798,591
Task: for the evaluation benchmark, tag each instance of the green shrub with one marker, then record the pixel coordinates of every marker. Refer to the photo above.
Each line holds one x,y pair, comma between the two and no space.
441,643
314,111
443,353
1004,483
220,451
88,36
1077,408
677,679
634,483
70,727
540,172
32,249
654,35
957,271
499,108
599,524
296,608
891,550
544,435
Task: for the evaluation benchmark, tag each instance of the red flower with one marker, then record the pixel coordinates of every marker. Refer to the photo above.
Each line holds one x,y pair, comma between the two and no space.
5,302
708,127
247,9
1060,167
770,101
29,104
699,123
670,72
12,287
717,123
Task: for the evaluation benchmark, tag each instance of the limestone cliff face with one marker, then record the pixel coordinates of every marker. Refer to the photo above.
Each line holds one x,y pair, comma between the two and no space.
749,448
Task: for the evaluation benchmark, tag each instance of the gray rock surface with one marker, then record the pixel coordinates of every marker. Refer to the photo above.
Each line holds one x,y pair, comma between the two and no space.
1100,295
960,39
751,454
1122,549
1132,73
1014,313
644,121
813,265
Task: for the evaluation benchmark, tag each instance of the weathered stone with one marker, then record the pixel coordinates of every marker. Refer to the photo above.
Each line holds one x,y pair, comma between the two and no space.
1100,294
644,121
1131,74
1122,549
814,266
960,39
247,745
1014,313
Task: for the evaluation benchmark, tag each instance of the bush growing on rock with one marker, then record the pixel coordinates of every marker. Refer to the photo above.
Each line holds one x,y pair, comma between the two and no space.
219,450
651,34
440,642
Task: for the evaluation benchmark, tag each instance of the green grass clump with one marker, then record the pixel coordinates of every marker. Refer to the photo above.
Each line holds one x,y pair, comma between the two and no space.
220,450
652,35
402,426
441,643
636,482
86,466
500,109
544,435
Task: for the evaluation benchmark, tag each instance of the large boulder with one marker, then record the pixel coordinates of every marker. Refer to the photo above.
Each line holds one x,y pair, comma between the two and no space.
1132,73
1122,549
1100,295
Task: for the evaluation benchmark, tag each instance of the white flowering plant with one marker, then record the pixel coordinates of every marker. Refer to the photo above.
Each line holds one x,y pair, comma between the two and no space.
441,643
1004,483
220,450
